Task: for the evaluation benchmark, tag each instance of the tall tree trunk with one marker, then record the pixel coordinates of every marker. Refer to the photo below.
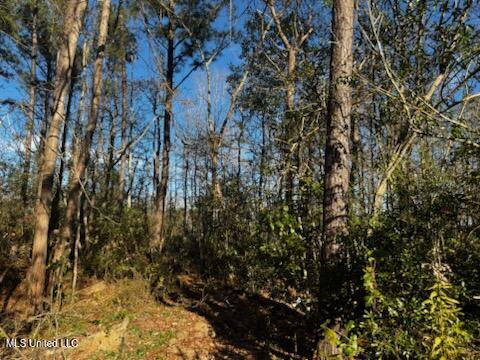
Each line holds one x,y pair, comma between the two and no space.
132,169
95,169
337,153
263,162
54,218
216,188
194,175
110,159
157,146
337,158
185,189
31,110
239,157
355,201
123,132
289,124
131,178
72,26
158,238
47,111
83,155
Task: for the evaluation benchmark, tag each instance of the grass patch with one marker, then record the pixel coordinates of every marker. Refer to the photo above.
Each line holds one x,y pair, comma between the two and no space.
102,312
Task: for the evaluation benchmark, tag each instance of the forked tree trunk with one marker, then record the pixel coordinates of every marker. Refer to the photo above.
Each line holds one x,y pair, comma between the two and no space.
83,155
72,26
337,153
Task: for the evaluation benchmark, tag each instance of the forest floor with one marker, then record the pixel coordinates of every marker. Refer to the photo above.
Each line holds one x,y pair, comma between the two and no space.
123,320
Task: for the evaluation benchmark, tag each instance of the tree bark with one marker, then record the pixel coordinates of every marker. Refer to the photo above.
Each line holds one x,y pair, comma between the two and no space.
337,159
123,131
337,153
158,236
157,146
185,188
83,155
110,160
47,111
31,111
54,218
68,47
289,124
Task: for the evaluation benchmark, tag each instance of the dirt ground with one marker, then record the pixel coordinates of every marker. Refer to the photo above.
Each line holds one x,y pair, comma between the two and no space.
122,320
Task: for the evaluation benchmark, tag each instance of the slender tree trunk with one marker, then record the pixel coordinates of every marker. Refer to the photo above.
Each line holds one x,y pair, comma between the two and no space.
356,152
123,132
46,111
216,188
54,218
89,210
239,158
402,149
263,154
157,145
31,111
158,238
81,105
72,26
131,171
195,172
337,153
81,163
290,124
185,189
397,157
110,159
77,245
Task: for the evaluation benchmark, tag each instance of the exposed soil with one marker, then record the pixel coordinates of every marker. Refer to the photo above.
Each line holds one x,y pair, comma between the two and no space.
122,320
247,326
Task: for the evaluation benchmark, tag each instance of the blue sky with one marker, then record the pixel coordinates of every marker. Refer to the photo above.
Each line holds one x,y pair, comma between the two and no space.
141,68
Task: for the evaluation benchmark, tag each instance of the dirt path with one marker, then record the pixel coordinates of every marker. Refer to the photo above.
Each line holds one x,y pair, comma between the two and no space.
246,326
123,320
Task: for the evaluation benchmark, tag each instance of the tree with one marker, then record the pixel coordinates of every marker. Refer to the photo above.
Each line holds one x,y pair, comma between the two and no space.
337,150
8,30
72,27
31,106
293,41
83,154
158,236
189,28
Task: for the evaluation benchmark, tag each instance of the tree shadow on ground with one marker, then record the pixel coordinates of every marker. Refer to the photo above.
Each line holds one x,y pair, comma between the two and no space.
246,326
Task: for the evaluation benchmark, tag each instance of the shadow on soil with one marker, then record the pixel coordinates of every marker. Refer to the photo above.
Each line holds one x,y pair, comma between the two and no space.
247,326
